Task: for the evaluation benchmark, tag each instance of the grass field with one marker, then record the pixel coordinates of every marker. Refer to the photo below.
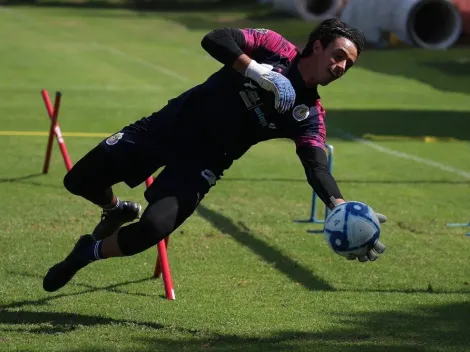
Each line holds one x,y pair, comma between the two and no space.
247,277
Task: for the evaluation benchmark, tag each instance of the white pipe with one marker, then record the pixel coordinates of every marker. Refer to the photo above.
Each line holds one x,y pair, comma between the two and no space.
434,24
309,10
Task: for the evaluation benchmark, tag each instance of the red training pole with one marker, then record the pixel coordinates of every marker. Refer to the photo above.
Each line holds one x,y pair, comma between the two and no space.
50,140
163,260
158,267
58,132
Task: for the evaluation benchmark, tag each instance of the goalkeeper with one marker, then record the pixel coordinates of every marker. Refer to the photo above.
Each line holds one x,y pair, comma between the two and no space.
266,89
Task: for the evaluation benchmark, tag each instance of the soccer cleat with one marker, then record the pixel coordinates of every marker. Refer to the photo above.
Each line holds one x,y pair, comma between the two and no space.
61,273
112,220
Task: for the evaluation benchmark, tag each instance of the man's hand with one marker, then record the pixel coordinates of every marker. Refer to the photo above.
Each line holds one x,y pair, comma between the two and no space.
274,82
378,248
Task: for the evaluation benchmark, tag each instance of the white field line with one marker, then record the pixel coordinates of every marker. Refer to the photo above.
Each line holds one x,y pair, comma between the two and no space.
142,62
110,49
403,155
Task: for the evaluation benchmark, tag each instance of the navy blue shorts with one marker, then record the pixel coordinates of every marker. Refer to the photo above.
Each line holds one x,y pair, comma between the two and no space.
192,179
133,160
126,157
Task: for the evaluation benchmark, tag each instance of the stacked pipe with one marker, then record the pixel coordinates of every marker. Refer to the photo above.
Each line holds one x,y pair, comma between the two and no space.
433,24
464,8
309,10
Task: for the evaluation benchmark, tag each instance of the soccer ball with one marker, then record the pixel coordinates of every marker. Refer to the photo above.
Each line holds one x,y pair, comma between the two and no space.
352,229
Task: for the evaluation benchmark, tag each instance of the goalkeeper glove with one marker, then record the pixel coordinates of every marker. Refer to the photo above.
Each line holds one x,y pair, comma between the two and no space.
274,82
378,247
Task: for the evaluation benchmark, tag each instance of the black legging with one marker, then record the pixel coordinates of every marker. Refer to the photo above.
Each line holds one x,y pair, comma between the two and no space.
158,221
173,197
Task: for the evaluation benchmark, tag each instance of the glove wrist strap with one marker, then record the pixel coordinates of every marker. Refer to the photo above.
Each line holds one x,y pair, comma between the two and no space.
254,70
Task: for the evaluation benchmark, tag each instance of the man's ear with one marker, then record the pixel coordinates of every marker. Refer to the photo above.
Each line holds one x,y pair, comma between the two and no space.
317,47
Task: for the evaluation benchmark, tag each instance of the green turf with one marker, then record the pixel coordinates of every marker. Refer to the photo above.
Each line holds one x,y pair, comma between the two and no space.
247,278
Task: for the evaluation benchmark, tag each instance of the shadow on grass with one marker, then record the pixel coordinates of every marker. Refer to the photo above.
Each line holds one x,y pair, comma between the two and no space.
423,328
269,254
345,181
19,178
63,322
288,266
44,301
447,70
420,329
399,123
27,180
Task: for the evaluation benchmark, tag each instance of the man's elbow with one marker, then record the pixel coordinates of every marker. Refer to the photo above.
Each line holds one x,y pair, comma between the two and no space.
206,41
210,38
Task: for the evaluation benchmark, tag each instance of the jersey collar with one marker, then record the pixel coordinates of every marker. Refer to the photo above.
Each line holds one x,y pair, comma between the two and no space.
297,81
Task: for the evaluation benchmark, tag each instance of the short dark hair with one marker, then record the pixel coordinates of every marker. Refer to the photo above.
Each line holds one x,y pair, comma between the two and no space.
331,29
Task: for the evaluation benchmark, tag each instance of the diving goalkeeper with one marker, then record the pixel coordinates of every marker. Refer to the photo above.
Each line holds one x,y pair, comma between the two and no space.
266,89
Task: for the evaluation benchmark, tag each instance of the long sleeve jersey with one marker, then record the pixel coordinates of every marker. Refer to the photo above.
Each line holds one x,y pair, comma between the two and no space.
228,113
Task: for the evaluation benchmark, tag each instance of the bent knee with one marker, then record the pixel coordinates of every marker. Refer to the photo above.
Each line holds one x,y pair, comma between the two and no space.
157,226
73,183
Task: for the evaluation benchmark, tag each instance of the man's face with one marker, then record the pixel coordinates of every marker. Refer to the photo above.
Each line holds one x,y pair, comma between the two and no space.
330,63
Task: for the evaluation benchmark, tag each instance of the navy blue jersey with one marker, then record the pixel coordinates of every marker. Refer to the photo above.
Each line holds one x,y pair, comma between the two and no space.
228,113
220,119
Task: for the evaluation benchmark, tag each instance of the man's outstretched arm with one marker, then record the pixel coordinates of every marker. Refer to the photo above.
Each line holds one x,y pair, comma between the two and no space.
315,163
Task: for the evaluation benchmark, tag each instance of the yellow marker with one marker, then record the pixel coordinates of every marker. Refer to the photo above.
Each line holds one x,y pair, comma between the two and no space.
429,139
394,40
425,139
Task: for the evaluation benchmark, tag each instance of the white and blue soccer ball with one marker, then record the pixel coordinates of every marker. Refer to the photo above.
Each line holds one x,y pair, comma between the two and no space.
352,229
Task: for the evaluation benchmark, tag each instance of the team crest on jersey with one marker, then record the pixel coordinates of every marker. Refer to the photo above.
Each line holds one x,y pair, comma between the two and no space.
301,112
114,138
